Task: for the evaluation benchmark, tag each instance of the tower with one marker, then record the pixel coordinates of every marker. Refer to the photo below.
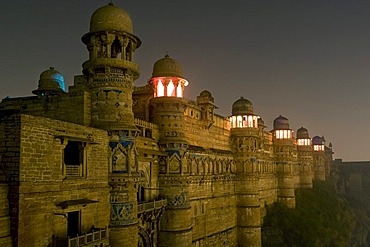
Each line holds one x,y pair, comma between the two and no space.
109,76
305,161
286,160
318,158
245,139
168,106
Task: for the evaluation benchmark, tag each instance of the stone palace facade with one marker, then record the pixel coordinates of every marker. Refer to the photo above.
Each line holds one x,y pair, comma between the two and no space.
111,164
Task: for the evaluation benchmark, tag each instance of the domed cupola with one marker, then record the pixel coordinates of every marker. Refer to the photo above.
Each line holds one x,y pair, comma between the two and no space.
303,138
242,107
110,18
318,144
51,83
281,128
111,43
243,115
167,78
281,123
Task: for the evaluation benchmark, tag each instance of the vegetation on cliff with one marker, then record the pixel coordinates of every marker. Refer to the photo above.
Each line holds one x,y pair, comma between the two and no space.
321,218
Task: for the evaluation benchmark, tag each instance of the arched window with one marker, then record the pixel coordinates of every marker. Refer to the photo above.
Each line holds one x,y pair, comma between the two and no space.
170,89
160,89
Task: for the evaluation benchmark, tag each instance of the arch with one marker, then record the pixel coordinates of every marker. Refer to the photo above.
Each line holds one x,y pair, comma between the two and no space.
116,48
144,238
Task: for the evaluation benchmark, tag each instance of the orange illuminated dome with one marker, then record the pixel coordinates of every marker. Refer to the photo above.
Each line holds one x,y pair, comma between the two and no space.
167,79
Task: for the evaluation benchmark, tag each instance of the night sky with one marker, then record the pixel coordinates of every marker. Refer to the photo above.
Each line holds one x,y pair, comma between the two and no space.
306,60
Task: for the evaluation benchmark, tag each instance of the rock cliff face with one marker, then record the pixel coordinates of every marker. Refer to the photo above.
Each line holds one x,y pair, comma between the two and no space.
323,217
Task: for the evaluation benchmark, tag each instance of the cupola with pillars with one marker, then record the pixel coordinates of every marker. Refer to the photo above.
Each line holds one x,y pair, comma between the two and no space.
167,79
110,69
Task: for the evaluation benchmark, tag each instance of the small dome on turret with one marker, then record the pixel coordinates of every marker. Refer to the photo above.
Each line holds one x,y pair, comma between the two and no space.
281,123
167,67
302,133
110,18
205,93
316,140
205,97
51,82
242,107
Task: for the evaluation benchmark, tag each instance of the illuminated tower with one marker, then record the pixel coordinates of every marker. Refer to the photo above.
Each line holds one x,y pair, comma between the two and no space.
305,160
318,158
246,142
109,76
286,160
167,111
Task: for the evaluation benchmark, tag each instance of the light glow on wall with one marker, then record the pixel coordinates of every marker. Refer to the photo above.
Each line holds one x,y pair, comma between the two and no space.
318,147
246,121
304,142
160,89
283,134
179,91
170,89
168,86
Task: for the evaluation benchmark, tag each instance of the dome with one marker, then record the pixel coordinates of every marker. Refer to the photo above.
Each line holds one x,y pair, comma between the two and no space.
51,82
167,67
110,18
302,133
242,107
205,97
316,140
205,93
281,123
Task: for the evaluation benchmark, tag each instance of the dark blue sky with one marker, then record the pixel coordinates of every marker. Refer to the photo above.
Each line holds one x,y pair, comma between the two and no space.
306,60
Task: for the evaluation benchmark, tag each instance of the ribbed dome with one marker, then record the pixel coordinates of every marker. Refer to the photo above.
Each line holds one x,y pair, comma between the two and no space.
242,107
51,82
110,18
281,123
302,133
167,67
316,140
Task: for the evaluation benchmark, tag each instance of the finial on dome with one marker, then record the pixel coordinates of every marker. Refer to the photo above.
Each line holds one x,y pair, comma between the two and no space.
110,2
167,55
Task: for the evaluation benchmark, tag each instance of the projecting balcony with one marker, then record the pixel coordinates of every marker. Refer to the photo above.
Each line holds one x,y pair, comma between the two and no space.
150,206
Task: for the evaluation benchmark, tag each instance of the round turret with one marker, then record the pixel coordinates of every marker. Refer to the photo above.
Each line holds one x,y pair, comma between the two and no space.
51,82
281,123
242,107
167,66
110,18
302,133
